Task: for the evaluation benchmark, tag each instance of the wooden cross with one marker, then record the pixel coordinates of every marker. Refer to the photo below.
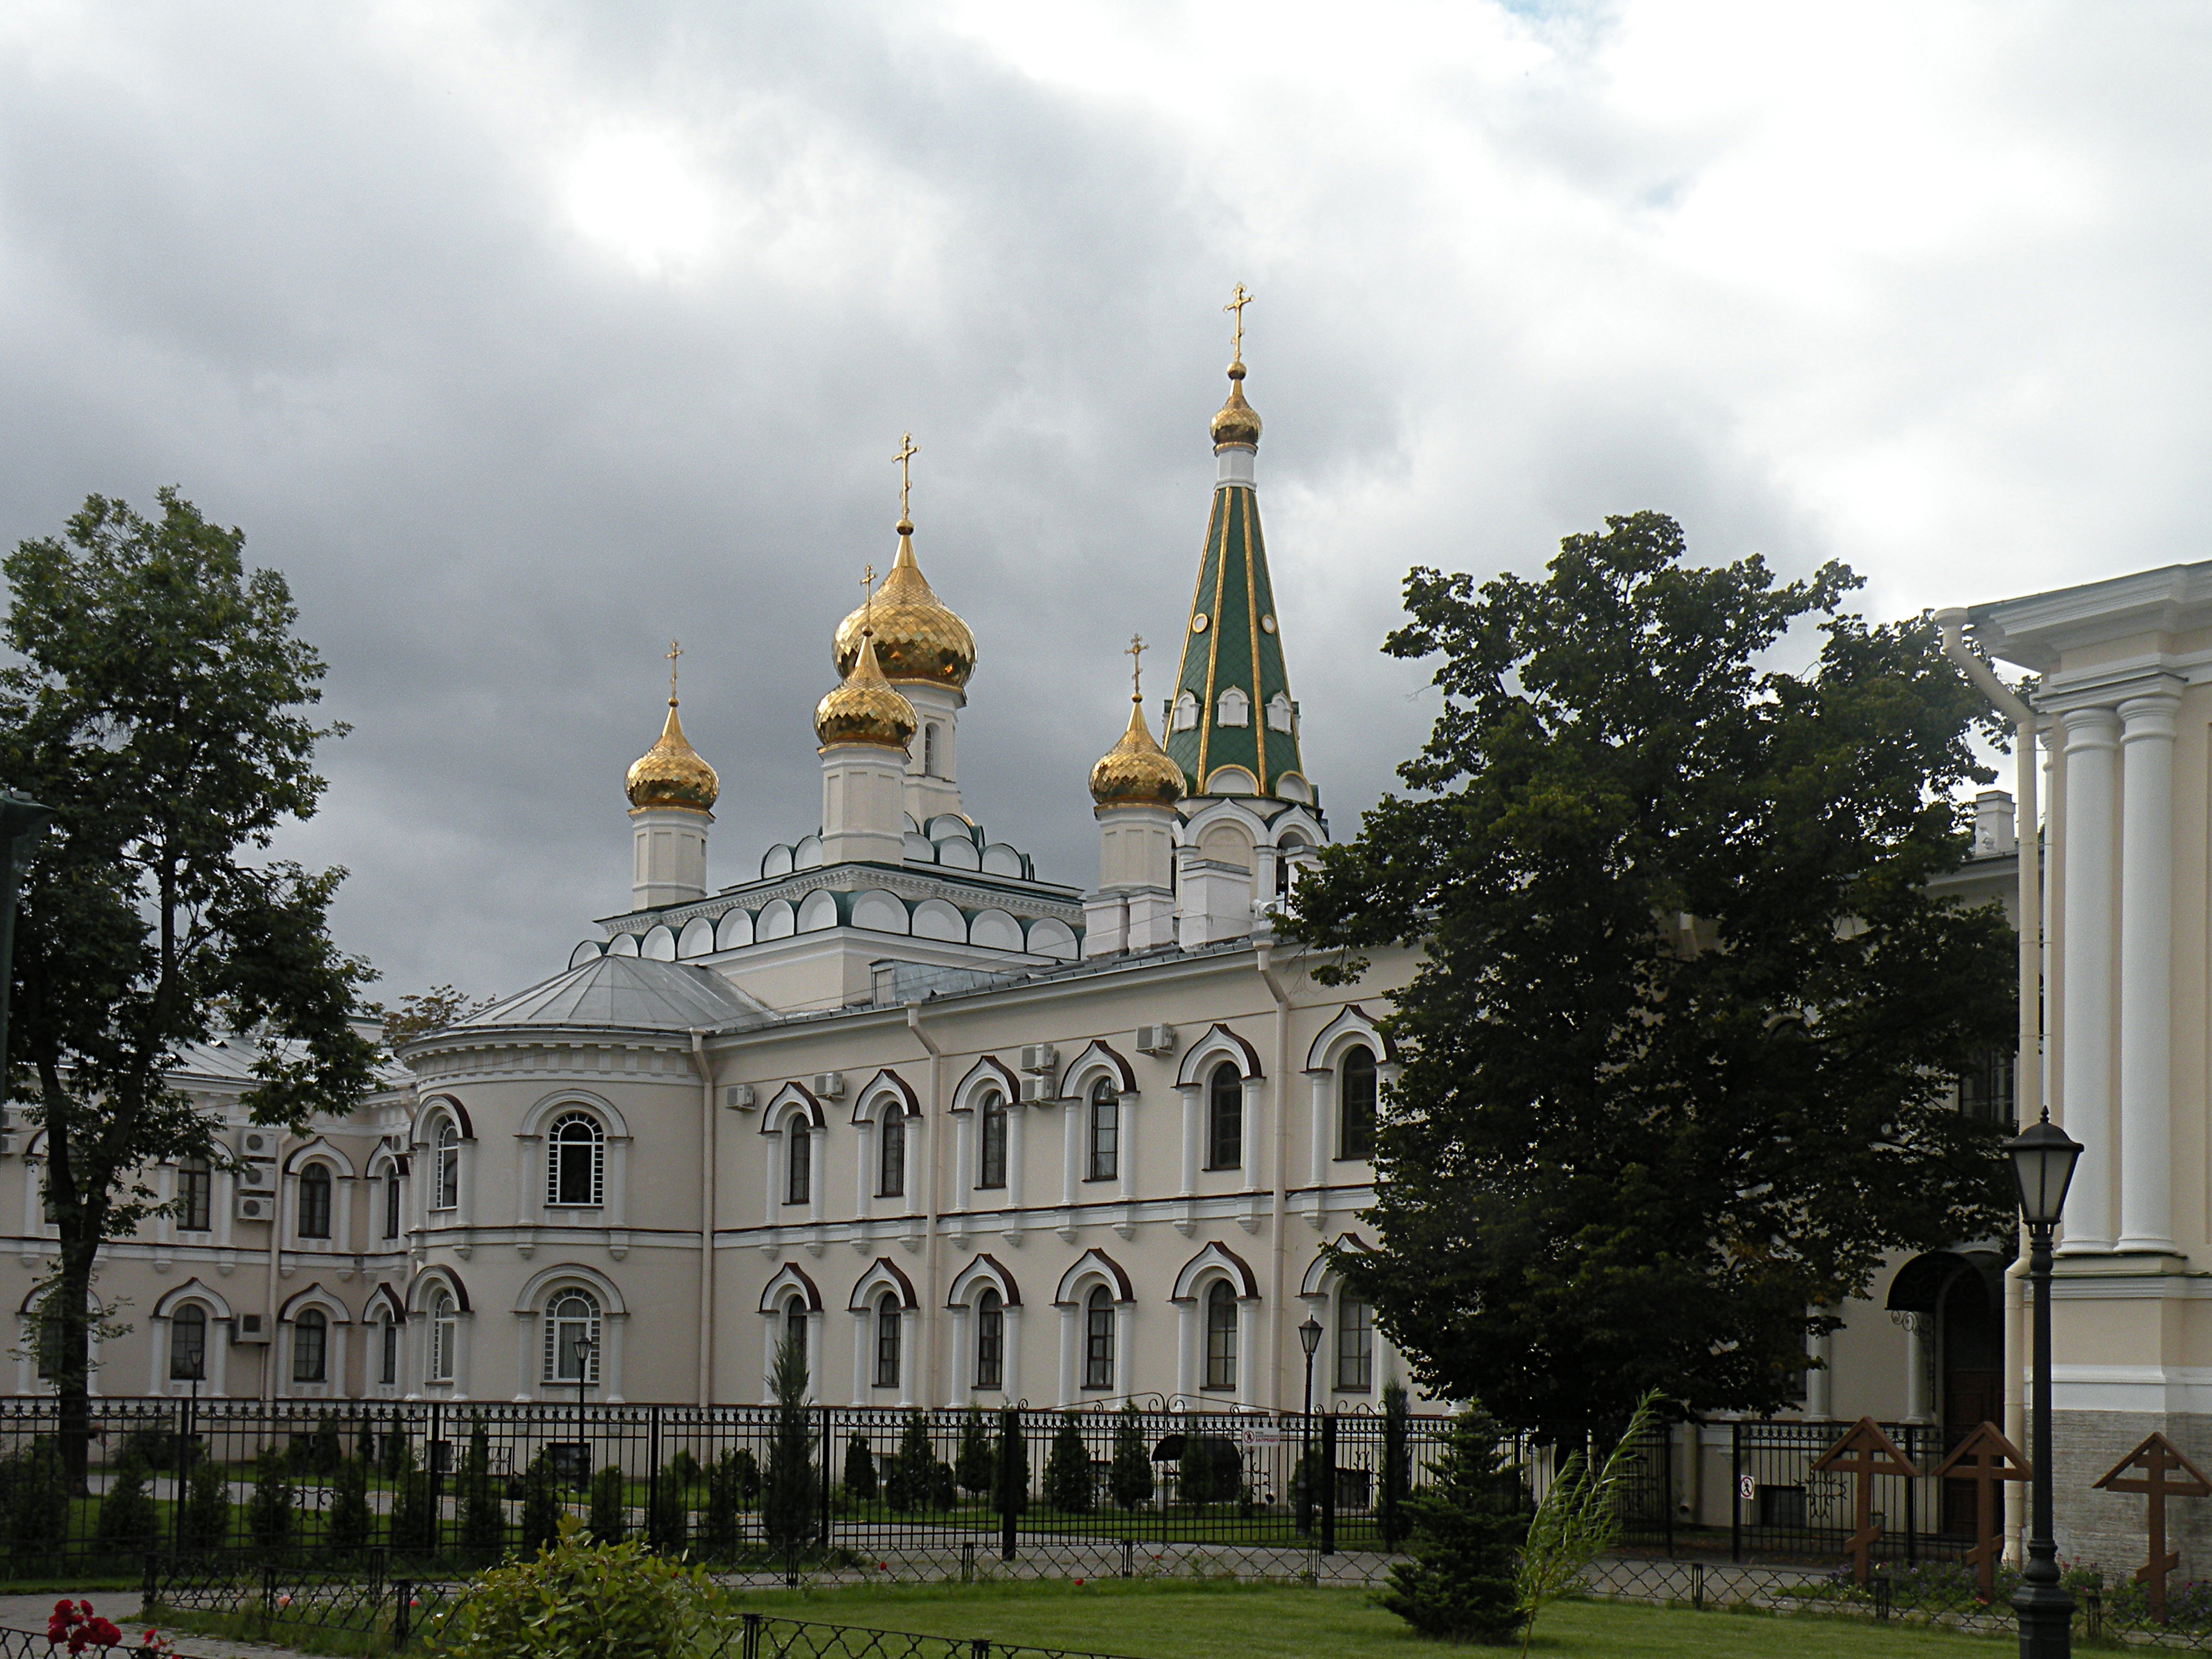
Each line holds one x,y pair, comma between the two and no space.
2154,1462
1237,301
1136,655
674,652
907,450
1865,1451
1988,1459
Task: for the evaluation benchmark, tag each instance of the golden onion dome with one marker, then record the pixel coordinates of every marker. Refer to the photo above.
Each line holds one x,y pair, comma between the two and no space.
1136,772
1238,422
917,638
867,708
672,772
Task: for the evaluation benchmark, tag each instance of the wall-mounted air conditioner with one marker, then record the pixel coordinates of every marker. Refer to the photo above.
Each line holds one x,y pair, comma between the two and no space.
829,1086
249,1328
1036,1090
737,1096
1039,1057
256,1206
257,1178
1156,1039
253,1143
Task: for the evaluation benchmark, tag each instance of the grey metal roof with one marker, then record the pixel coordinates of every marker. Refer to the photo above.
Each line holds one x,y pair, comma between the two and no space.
629,992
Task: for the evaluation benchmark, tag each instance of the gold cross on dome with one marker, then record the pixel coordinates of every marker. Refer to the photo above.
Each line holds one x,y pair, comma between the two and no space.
673,652
907,451
1136,655
1237,301
868,604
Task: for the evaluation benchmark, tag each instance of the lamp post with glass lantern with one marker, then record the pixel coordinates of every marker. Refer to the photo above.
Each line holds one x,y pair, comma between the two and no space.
1309,1338
2043,1159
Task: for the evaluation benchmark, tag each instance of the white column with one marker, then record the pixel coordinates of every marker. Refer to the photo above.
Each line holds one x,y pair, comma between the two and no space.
1247,1152
1068,1335
1318,1160
1820,1382
2086,1071
1127,1125
772,1339
964,1356
1016,1154
1010,1371
2146,1102
910,1356
1917,1354
1074,1129
863,1373
1248,1351
1190,1092
864,1156
1125,1348
772,1167
1186,1347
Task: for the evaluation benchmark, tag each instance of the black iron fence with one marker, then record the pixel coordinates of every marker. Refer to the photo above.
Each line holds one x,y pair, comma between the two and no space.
1779,1504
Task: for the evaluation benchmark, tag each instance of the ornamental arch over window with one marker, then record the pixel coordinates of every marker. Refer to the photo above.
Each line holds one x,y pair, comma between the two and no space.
571,1329
1236,708
1221,1334
314,1212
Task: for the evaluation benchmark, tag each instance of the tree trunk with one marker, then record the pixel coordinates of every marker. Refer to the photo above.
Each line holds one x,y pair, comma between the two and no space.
70,1333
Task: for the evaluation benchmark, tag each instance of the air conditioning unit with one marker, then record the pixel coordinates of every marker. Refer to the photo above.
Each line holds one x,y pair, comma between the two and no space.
1156,1040
738,1097
249,1328
253,1143
256,1206
7,1142
1036,1090
257,1178
829,1086
1039,1057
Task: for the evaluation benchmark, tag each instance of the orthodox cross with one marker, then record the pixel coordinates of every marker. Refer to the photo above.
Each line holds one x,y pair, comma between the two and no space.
1988,1459
1135,653
2154,1464
1865,1451
907,451
868,604
1237,301
673,652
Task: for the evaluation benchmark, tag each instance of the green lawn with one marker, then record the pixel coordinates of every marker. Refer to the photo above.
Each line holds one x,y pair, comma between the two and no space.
1153,1620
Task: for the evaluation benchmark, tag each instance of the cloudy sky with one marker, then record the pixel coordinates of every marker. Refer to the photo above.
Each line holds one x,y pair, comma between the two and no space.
523,337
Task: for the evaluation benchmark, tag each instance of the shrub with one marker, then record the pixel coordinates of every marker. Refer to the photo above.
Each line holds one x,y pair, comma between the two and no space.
1213,1469
1010,1471
1068,1484
973,1469
346,1531
906,1474
580,1597
205,1523
1397,1463
859,1467
787,1494
944,1489
668,1517
746,1470
685,1468
38,1495
541,1505
1467,1525
269,1511
414,1524
1129,1480
726,1499
609,1514
483,1515
398,1458
127,1521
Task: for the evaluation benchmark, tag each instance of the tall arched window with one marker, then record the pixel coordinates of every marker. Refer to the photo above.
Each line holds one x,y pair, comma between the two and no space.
991,1160
195,1195
444,1333
310,1342
1224,1119
387,1369
1098,1340
1105,1132
887,1341
392,1202
571,1317
799,1172
1220,1336
188,1343
314,1205
1355,1117
576,1160
794,1328
892,1155
446,1193
1355,1345
990,1341
929,749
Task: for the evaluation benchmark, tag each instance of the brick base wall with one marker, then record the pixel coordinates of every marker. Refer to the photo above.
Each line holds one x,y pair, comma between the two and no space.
2106,1529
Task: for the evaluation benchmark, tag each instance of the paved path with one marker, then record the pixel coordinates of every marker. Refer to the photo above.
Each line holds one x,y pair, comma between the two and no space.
30,1612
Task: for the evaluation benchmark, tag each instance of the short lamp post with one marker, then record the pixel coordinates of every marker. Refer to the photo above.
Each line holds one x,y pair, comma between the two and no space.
2043,1159
582,1347
195,1358
1310,1340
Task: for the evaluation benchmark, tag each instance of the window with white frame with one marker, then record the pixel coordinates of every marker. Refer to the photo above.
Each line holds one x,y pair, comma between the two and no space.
1098,1340
890,1155
392,1202
1224,1118
315,1203
446,1193
571,1338
388,1357
445,1333
798,1155
991,1153
1102,1160
1220,1335
888,1323
1186,711
195,1195
795,1329
311,1344
990,1341
1355,1109
1355,1344
1235,708
576,1160
188,1334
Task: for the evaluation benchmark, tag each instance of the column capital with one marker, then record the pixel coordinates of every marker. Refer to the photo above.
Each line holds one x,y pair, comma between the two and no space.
2149,716
2096,728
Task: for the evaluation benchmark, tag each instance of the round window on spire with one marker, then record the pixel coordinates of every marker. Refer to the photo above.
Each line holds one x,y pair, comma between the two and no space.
1198,623
1266,624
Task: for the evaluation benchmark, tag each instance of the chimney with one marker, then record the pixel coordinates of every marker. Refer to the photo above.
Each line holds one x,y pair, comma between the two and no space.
1994,836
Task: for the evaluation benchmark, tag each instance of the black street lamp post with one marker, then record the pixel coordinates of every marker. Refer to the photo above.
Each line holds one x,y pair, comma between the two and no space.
1310,1338
23,821
2043,1159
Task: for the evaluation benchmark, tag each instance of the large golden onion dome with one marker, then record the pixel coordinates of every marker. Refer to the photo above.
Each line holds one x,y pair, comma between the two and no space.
1238,422
917,638
867,708
672,772
1135,772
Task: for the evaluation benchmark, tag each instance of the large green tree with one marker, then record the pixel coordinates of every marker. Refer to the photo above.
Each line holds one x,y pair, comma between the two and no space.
1680,1049
157,703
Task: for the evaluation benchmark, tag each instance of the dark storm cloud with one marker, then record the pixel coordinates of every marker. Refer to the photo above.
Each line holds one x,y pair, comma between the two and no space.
522,339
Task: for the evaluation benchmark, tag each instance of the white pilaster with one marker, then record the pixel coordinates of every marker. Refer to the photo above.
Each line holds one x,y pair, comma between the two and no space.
2146,1097
2092,736
863,803
668,855
933,766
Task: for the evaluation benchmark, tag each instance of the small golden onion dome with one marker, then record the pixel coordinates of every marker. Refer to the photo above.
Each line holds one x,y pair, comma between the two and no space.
1135,772
865,708
917,638
1238,422
672,772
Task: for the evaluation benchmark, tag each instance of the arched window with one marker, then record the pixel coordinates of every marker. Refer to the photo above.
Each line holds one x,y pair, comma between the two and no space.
571,1317
990,1341
392,1202
892,1155
310,1342
314,1207
1104,1145
991,1162
576,1160
444,1333
1290,848
195,1195
887,1341
446,1195
929,749
1235,708
188,1343
1220,1336
798,1173
1224,1119
794,1328
1098,1340
1186,711
1355,1345
387,1369
1355,1116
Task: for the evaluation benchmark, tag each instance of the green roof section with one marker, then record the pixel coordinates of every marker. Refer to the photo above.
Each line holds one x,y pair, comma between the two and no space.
1233,699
